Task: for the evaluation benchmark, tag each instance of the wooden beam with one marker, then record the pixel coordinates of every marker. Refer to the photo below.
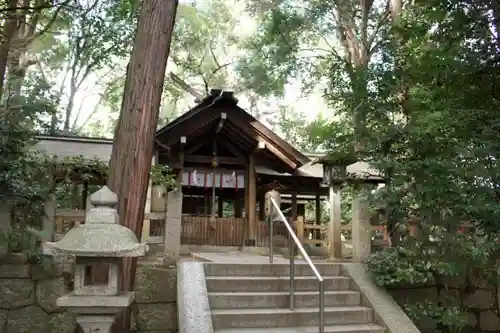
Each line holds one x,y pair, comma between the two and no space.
188,129
223,117
278,154
245,119
163,146
195,147
233,149
208,159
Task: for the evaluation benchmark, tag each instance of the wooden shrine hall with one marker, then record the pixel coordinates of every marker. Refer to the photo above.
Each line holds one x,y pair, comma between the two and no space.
225,160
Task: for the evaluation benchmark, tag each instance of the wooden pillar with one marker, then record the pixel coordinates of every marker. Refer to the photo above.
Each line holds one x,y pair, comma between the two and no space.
335,224
262,207
251,203
294,206
220,205
318,207
237,206
245,191
49,220
300,229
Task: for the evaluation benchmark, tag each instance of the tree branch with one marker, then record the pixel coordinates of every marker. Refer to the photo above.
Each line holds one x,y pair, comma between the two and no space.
186,87
37,7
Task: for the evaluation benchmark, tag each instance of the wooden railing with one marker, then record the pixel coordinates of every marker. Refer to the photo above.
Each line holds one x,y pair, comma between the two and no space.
218,231
67,218
204,230
316,234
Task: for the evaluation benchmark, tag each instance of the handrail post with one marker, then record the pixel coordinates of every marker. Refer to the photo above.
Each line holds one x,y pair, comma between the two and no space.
292,271
293,236
322,306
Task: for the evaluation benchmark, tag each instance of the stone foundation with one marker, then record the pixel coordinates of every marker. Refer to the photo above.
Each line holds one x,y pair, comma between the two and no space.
481,306
155,307
28,296
28,300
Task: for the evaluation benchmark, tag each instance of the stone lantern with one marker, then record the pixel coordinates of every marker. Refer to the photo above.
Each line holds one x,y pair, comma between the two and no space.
333,173
97,245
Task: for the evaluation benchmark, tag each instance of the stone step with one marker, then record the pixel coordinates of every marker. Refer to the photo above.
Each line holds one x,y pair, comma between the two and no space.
252,318
273,283
225,269
355,328
267,299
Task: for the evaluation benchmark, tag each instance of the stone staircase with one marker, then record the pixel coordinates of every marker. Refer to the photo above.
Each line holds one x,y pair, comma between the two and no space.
248,298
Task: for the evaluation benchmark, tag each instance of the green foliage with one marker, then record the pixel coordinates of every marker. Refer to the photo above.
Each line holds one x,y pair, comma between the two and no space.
162,175
421,106
18,126
393,266
439,259
443,316
25,243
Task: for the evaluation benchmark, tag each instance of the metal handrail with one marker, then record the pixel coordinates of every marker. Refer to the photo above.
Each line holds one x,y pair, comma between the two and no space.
293,236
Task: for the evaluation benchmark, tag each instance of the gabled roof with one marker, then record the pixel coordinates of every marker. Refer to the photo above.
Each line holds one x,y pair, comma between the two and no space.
242,124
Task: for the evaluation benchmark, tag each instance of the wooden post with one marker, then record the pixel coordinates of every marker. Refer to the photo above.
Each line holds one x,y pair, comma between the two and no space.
262,207
49,219
294,206
300,229
252,202
220,206
335,225
237,206
318,207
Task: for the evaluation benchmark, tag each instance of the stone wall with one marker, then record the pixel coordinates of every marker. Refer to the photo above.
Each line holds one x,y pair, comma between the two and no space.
155,308
481,304
28,300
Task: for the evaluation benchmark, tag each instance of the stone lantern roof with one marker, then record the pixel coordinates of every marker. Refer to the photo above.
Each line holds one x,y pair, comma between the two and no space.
101,235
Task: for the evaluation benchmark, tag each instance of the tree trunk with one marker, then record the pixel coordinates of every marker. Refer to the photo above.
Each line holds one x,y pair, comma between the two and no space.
9,31
135,132
69,107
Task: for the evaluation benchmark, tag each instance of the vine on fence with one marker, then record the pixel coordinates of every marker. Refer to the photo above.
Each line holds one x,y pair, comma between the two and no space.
36,177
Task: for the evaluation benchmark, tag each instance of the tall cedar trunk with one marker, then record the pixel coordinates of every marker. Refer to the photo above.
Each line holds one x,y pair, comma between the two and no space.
135,132
9,31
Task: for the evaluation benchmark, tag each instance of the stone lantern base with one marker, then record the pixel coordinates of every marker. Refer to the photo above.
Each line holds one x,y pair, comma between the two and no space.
96,313
96,323
96,304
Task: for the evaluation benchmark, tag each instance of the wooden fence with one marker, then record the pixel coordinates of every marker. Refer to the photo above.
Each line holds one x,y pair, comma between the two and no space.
205,230
65,219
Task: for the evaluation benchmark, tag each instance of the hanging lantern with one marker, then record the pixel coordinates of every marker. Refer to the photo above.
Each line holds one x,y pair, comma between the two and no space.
214,162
